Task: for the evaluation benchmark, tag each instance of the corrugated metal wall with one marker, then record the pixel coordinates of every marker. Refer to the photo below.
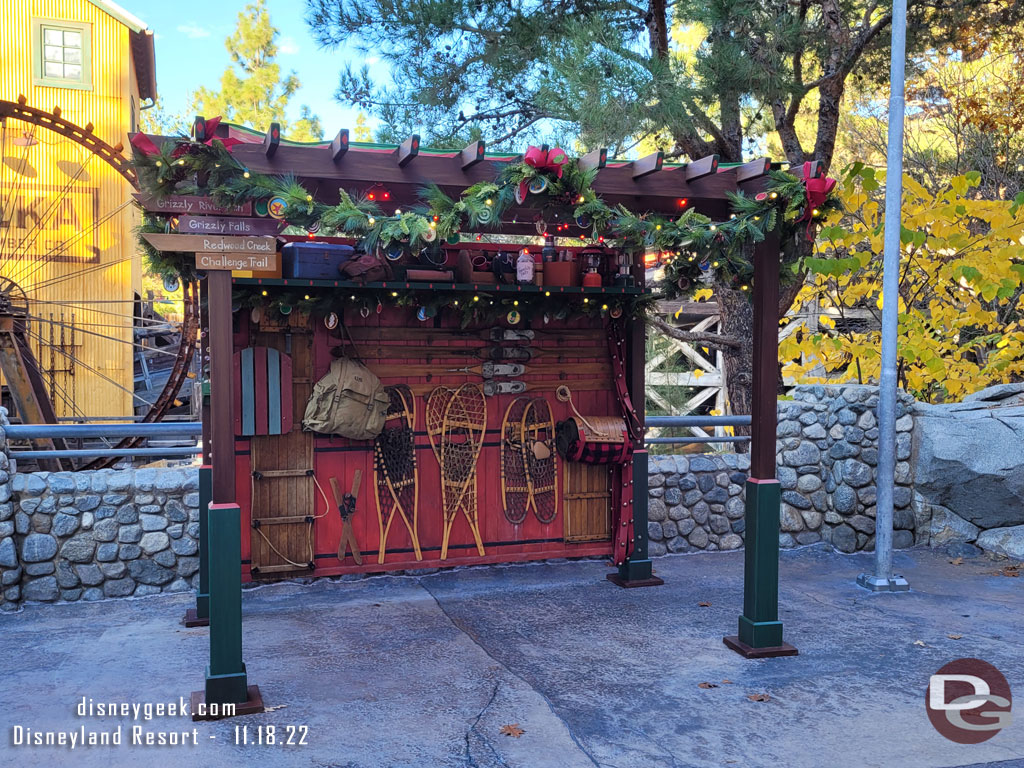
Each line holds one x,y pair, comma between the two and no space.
69,241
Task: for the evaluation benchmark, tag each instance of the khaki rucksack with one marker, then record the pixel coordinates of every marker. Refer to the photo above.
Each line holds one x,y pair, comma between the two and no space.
348,401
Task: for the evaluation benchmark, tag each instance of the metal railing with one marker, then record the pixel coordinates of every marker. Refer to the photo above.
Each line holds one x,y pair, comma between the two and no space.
683,422
103,432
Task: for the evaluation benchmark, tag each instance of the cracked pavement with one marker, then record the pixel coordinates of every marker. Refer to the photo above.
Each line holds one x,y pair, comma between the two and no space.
423,671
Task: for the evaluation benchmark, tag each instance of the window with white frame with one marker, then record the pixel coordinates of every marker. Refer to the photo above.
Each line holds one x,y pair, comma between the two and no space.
63,54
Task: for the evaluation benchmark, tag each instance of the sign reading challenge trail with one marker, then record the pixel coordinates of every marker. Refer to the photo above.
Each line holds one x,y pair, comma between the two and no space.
193,204
236,261
219,225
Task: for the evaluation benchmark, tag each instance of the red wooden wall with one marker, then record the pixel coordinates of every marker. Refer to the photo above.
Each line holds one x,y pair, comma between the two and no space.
340,457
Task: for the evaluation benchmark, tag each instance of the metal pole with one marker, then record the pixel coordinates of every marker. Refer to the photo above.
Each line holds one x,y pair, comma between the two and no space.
883,579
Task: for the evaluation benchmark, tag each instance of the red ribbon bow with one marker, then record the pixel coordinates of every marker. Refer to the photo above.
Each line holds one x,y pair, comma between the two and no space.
818,189
546,160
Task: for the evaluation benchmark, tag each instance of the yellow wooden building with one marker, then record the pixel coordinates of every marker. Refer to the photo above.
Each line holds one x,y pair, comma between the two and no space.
67,235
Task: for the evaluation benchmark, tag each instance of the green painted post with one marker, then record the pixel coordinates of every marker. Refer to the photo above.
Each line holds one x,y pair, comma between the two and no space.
205,497
760,631
226,680
759,625
637,570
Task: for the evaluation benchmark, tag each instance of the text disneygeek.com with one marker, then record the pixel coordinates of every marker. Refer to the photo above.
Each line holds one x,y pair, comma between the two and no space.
140,732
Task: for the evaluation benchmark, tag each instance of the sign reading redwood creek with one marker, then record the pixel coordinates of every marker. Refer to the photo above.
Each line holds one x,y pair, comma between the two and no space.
211,243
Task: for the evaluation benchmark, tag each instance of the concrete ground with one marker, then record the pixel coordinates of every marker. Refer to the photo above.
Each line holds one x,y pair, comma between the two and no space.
424,671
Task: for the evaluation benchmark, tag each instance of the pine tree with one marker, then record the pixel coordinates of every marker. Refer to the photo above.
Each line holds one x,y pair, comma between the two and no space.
252,91
692,77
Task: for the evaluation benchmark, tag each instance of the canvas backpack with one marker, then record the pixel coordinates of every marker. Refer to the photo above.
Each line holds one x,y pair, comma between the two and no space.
348,401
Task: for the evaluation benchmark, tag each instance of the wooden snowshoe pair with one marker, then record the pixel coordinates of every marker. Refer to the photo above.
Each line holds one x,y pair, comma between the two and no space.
529,474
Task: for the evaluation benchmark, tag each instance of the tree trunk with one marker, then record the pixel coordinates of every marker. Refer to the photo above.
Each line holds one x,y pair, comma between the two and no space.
737,315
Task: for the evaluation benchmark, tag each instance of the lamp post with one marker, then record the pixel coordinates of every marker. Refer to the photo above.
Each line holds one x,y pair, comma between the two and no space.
883,579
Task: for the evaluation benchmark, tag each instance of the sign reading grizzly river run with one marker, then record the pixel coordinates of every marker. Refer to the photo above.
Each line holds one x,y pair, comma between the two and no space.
220,225
192,204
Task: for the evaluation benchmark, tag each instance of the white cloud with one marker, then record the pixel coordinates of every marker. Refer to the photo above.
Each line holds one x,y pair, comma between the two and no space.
193,31
288,46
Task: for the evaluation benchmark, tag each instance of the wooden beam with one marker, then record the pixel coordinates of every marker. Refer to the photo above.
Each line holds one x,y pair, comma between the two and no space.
645,166
407,150
340,145
272,140
753,169
615,183
596,159
472,154
701,168
199,128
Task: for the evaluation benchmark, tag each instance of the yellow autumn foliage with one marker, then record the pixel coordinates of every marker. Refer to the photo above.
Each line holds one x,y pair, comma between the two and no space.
961,285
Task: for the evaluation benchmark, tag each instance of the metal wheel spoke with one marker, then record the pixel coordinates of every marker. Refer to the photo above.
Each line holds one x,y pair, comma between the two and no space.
78,327
88,367
38,227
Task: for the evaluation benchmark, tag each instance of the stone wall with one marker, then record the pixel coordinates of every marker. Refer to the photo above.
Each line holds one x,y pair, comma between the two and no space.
105,533
826,450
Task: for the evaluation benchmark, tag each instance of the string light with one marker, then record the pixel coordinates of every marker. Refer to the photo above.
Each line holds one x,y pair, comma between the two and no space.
159,164
307,297
309,198
713,227
181,161
371,221
398,211
773,195
476,298
515,303
245,175
547,293
657,226
744,287
586,300
604,307
815,212
394,294
488,201
264,293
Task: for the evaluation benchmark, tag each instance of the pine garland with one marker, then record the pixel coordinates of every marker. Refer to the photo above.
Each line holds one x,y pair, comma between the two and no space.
695,249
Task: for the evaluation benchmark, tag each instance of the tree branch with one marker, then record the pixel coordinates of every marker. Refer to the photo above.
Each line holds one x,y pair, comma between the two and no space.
714,340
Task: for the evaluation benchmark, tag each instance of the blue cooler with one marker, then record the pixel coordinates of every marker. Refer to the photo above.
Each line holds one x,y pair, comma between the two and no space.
314,261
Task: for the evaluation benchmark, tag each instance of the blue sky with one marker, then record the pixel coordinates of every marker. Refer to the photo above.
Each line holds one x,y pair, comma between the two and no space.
190,53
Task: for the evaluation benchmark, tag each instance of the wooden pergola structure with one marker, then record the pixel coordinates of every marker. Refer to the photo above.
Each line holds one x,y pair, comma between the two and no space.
647,184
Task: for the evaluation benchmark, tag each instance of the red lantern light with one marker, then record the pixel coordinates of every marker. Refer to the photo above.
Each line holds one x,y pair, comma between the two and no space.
378,192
